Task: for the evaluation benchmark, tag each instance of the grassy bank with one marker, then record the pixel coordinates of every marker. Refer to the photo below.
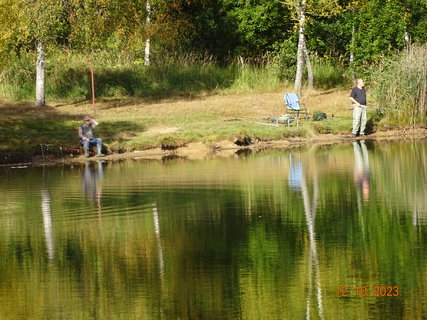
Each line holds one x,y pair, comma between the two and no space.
193,100
139,124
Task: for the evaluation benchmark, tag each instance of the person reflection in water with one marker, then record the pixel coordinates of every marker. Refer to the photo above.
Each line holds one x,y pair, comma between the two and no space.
295,172
361,168
91,183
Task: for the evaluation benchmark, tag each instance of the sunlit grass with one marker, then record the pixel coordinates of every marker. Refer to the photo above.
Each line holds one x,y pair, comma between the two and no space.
137,124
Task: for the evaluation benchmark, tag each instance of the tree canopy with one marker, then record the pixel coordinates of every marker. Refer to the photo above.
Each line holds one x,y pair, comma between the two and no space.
221,28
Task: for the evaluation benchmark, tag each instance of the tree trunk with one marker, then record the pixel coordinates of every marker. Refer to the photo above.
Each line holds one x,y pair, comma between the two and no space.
300,8
353,73
147,42
40,98
406,36
309,68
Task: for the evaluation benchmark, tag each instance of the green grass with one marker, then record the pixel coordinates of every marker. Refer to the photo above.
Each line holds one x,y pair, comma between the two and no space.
68,77
193,99
330,74
23,129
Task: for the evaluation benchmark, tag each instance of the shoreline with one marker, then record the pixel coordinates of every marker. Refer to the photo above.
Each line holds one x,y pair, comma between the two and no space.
225,148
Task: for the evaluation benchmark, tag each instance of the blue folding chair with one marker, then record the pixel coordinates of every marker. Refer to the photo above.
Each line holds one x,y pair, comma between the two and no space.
293,105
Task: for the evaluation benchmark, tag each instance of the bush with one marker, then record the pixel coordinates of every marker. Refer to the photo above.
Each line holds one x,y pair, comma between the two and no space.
170,143
322,128
400,82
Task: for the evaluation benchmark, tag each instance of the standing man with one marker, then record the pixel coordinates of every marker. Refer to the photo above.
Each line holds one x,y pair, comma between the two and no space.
358,97
87,138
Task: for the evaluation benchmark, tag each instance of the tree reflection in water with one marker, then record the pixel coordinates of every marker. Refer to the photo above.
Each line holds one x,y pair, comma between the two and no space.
298,180
47,223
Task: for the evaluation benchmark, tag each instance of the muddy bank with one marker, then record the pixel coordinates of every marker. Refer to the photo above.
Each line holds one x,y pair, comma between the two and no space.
196,151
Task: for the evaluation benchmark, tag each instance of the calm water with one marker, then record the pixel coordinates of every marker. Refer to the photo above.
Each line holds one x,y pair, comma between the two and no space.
317,233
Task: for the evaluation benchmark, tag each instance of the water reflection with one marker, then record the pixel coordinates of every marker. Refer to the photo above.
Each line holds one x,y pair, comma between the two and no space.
268,235
361,170
310,208
92,183
158,241
361,179
47,223
295,172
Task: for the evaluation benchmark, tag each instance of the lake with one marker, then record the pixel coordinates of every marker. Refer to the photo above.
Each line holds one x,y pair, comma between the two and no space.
317,232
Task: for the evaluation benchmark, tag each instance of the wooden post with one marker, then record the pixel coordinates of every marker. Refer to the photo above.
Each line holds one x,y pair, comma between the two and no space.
92,78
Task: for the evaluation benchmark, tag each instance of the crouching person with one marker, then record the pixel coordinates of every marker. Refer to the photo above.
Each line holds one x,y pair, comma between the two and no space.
87,138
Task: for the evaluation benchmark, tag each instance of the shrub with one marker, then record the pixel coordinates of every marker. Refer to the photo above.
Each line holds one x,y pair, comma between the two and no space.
400,82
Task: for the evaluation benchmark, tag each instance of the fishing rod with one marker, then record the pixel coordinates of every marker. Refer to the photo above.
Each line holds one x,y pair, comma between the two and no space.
379,108
61,148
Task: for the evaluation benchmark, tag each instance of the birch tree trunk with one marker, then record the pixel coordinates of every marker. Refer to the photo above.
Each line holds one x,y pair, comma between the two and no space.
40,97
353,73
309,68
147,42
300,8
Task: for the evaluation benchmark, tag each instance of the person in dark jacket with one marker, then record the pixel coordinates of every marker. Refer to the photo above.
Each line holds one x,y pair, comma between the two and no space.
87,138
358,97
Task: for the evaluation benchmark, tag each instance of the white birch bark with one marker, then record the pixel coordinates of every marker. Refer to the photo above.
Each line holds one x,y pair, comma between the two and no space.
40,75
406,36
353,73
300,8
309,68
147,41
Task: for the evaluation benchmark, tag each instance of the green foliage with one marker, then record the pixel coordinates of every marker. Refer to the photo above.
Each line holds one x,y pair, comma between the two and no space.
285,58
401,82
259,32
379,29
92,22
43,19
260,24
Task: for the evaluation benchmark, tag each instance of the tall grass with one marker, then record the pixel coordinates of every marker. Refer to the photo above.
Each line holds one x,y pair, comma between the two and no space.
68,76
401,83
330,73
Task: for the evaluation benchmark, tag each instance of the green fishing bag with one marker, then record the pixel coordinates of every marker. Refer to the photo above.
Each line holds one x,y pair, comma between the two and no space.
319,116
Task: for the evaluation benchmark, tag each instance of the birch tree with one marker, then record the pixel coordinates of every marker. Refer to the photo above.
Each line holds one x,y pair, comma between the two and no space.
302,9
41,20
147,41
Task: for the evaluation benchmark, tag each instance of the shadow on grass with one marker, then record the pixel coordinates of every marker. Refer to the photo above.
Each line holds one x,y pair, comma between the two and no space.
23,128
153,83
